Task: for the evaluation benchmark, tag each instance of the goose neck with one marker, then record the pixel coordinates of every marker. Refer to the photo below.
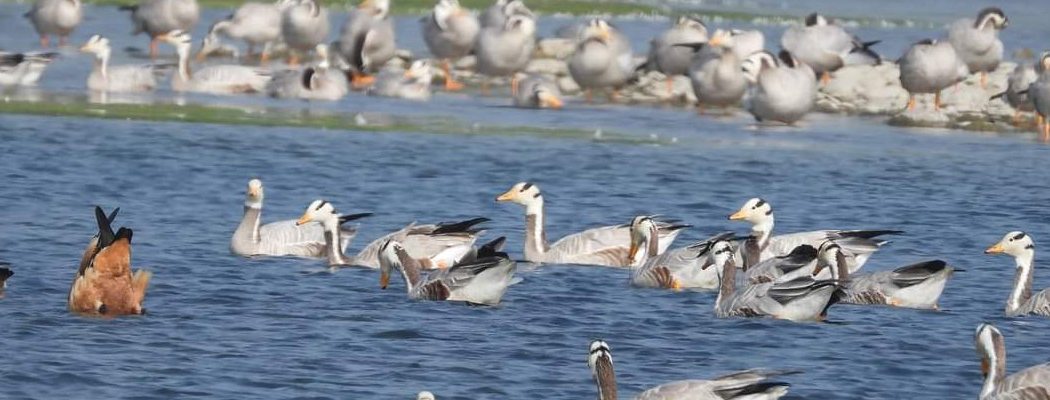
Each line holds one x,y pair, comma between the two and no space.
1022,290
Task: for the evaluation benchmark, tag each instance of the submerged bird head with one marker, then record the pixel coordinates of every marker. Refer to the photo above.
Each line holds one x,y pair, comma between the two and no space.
993,17
388,260
815,19
989,343
596,29
524,193
643,229
1015,243
755,211
253,197
97,45
320,211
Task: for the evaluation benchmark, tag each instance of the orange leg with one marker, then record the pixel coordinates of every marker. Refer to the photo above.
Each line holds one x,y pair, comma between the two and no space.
670,85
588,97
152,48
825,77
485,87
1046,131
293,60
450,84
937,101
1017,118
911,102
1039,120
984,79
44,42
614,95
359,80
63,40
264,57
514,85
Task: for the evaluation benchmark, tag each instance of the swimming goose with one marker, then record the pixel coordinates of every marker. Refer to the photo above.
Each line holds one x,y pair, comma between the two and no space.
482,281
930,66
1039,93
303,26
537,91
977,41
55,17
105,285
717,75
215,79
800,299
825,46
761,245
118,78
412,84
434,246
505,50
669,59
282,238
257,24
318,82
913,286
606,246
1021,302
781,91
674,269
366,41
5,273
602,59
23,69
803,259
1032,383
158,17
752,384
497,13
450,33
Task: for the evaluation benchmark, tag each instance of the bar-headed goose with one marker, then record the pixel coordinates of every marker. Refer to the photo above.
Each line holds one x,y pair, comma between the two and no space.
826,46
331,221
782,91
803,259
158,17
23,69
412,84
425,395
5,273
977,41
1021,302
676,269
602,59
117,78
317,82
367,41
282,238
537,91
1032,383
433,245
304,25
105,284
450,33
1016,93
913,286
257,24
497,13
668,58
752,384
717,75
482,281
215,79
763,245
930,66
55,17
505,50
606,246
1039,93
747,42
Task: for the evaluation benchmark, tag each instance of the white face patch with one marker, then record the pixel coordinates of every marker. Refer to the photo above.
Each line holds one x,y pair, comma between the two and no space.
598,349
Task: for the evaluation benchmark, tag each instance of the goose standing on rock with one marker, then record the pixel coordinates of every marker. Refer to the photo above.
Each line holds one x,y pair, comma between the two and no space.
505,50
497,13
366,41
120,78
752,384
1016,94
676,269
104,284
669,59
450,33
602,59
1039,94
257,24
783,91
977,41
159,17
23,69
825,47
605,246
930,66
55,17
215,79
482,281
413,84
318,82
913,286
717,75
1022,302
1032,383
303,26
537,91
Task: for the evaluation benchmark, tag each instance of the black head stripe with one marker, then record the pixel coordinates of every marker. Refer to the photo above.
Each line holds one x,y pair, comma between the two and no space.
1030,247
321,204
811,19
602,348
526,186
761,202
1018,236
925,42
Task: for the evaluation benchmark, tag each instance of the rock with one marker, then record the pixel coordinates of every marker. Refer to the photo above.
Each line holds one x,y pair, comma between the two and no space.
921,117
555,48
548,66
863,89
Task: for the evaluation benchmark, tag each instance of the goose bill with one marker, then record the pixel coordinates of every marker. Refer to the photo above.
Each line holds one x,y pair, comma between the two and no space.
384,279
549,101
737,215
997,249
303,219
985,367
508,196
633,251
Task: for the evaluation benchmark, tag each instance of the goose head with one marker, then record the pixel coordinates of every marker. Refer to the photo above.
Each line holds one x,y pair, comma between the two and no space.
753,65
388,260
522,24
546,98
815,19
991,347
181,40
720,253
320,211
828,256
425,395
991,17
601,363
1017,244
643,230
755,211
253,197
721,38
97,45
524,193
419,72
1044,63
787,59
209,43
379,8
517,7
597,29
690,22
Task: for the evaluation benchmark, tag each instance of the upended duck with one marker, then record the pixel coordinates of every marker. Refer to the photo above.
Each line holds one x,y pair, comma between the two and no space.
1032,383
317,82
55,17
604,246
717,74
104,284
450,33
536,91
930,66
257,24
664,53
118,78
483,280
917,285
977,41
367,41
826,47
752,384
412,84
1021,301
159,17
677,269
602,59
783,89
215,79
23,69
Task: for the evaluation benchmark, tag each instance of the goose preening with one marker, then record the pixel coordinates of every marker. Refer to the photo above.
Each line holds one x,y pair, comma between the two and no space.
23,69
412,84
536,91
762,245
366,41
752,384
159,17
215,79
257,24
323,212
1016,93
56,18
1032,383
1039,94
104,284
117,78
317,82
497,13
282,238
668,58
747,42
977,43
676,269
930,66
481,281
605,246
716,74
303,26
450,33
783,88
5,273
917,285
602,59
825,46
504,50
1022,302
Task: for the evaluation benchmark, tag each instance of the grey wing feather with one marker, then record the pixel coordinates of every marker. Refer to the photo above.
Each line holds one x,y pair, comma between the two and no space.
1027,382
1038,304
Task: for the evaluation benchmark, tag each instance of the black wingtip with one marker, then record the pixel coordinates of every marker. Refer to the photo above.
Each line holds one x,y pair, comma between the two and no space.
459,227
347,218
493,248
105,231
692,45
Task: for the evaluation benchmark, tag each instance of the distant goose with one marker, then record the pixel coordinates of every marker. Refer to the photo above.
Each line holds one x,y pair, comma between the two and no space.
497,13
5,273
304,25
1039,94
605,246
537,91
826,46
1032,383
412,84
215,79
668,58
783,91
23,69
450,33
482,281
117,78
367,41
257,24
318,82
1022,302
602,59
1016,94
913,286
717,74
930,66
55,17
977,41
747,42
425,395
104,284
505,50
159,17
676,269
752,384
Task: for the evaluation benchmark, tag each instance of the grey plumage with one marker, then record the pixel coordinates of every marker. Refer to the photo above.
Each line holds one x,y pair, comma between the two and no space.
367,41
55,17
976,41
603,57
482,281
664,54
784,89
23,69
